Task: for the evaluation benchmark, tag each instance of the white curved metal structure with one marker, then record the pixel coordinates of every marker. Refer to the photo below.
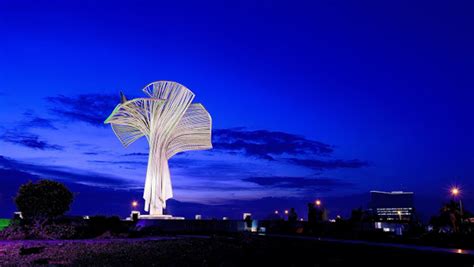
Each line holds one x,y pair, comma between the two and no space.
171,124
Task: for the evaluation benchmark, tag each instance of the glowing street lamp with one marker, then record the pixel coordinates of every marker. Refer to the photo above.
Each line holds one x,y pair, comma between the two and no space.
286,212
276,212
456,193
134,204
318,202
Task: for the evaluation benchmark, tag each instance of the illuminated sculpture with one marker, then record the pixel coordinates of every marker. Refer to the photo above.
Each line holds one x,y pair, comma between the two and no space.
171,125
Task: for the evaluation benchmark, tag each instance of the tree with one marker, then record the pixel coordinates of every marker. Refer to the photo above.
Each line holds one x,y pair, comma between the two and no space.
43,199
357,215
450,215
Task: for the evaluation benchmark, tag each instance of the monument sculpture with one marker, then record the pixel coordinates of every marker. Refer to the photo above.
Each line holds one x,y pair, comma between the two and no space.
172,124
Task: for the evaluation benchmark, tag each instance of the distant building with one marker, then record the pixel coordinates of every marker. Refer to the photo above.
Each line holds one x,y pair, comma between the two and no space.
391,206
247,216
391,210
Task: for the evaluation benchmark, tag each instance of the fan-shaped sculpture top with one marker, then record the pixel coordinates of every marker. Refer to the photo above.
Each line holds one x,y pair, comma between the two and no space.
171,125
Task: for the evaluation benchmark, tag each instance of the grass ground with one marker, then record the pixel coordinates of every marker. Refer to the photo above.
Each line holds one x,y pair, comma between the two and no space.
216,251
4,223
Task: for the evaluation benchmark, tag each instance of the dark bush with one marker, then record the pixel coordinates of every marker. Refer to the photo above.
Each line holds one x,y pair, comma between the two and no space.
53,231
44,199
15,231
68,228
38,230
97,226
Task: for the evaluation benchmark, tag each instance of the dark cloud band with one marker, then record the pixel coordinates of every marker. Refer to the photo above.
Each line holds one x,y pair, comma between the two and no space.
28,140
267,144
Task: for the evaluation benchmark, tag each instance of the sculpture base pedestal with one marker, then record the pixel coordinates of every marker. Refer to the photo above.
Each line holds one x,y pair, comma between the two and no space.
159,217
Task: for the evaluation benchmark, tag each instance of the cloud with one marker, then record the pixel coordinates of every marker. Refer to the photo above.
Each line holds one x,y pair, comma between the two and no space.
221,187
296,182
89,108
267,144
328,164
120,162
38,122
33,121
67,174
213,169
95,152
21,135
28,140
136,155
274,146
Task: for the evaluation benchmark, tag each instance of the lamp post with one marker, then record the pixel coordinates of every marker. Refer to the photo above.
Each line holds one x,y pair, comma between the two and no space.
456,193
318,202
135,215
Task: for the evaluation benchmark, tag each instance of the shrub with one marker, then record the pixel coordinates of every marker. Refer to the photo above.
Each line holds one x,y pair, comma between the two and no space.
44,199
100,225
21,231
15,231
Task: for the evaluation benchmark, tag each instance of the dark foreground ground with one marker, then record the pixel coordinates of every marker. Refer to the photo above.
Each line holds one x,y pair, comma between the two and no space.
217,251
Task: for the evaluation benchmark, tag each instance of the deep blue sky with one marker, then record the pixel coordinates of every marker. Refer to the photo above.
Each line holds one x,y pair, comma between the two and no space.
316,99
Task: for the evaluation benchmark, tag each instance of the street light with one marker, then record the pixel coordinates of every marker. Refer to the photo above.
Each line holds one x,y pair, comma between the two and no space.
456,193
276,212
318,202
134,204
286,212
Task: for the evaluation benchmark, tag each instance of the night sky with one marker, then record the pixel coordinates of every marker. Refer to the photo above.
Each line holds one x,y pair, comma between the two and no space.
309,100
